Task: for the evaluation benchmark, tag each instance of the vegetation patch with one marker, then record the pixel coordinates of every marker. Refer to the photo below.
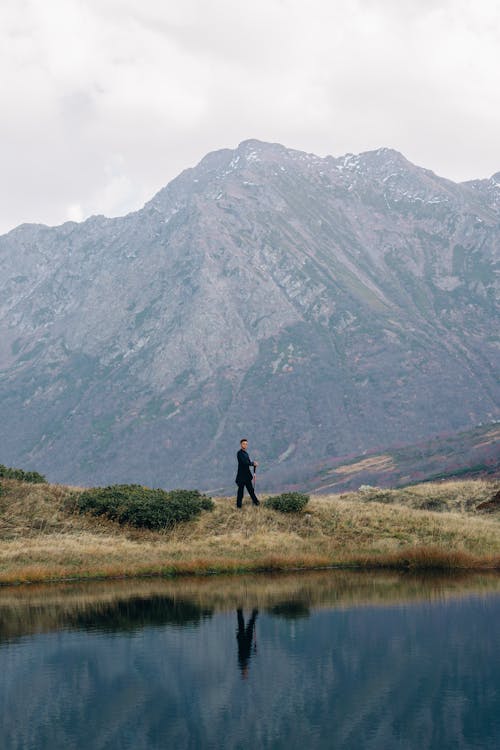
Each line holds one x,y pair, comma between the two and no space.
140,506
23,476
288,502
373,463
456,496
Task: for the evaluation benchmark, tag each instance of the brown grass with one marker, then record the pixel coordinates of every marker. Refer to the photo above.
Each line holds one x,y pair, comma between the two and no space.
380,463
40,540
493,436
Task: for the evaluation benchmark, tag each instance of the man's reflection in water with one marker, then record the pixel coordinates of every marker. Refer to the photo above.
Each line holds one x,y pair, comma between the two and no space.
246,638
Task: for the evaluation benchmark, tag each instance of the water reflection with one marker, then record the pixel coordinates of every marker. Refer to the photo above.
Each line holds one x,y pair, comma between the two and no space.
136,613
118,606
360,661
245,636
290,610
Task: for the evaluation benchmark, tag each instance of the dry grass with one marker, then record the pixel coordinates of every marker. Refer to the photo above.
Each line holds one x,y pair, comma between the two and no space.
41,540
454,496
492,436
378,463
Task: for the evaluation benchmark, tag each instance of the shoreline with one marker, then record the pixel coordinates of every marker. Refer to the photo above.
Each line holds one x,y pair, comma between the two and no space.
415,560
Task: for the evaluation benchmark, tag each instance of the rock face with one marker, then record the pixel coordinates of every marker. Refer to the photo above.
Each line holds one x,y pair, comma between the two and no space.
319,306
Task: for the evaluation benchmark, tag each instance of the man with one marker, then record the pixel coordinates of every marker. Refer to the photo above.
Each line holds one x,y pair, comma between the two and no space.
244,475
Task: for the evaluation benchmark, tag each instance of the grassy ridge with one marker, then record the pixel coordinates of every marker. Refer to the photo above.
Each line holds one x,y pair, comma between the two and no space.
425,526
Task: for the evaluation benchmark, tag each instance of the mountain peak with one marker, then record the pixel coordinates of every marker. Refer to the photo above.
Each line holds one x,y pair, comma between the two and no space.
253,144
380,159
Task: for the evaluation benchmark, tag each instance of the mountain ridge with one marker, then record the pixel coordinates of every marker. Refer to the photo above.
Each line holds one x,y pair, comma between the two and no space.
476,183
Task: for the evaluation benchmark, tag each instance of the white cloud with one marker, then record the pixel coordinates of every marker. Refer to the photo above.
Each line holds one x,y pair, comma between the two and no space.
74,212
104,101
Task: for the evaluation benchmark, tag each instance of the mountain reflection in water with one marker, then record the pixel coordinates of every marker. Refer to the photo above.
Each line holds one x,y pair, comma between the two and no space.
343,660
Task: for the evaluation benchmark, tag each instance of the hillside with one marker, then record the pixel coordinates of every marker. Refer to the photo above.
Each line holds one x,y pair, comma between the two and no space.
466,454
324,307
445,526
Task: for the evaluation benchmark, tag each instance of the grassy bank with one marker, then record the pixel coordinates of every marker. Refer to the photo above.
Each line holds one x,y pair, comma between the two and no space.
425,526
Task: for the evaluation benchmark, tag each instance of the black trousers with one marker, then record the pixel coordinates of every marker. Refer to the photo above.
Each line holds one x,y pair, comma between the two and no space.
241,487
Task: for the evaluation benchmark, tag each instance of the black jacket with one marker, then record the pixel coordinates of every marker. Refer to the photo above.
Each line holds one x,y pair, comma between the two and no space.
244,474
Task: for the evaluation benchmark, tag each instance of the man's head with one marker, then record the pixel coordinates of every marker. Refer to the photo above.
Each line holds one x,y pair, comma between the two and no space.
244,443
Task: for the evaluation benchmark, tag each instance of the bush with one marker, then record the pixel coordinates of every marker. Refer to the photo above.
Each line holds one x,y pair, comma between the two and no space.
23,476
288,502
142,507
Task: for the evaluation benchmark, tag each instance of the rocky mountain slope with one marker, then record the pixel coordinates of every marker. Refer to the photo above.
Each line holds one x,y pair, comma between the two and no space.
469,454
320,306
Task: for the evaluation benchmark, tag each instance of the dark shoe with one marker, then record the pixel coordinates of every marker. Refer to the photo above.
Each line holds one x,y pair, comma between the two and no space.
256,502
238,506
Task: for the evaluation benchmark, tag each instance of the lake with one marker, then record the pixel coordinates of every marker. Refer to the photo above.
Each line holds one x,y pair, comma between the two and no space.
332,659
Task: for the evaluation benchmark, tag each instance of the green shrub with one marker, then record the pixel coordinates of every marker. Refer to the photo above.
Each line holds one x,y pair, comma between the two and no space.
288,502
23,476
140,506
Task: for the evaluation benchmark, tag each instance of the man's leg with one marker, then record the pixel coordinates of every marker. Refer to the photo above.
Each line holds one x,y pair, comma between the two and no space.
251,492
239,496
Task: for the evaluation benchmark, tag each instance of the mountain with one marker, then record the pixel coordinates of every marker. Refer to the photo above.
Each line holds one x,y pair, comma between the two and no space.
318,306
468,454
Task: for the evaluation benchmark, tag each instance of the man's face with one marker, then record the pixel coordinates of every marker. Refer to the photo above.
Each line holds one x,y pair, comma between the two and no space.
244,444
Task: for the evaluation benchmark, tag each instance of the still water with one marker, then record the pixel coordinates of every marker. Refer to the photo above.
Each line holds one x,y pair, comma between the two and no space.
324,660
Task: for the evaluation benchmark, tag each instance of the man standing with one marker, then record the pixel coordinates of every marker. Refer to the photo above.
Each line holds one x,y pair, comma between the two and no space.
244,475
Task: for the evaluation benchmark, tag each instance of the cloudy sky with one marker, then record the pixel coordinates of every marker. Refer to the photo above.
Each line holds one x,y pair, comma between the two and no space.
105,101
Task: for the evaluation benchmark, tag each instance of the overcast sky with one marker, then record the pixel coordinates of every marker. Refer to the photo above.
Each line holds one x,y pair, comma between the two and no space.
105,101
